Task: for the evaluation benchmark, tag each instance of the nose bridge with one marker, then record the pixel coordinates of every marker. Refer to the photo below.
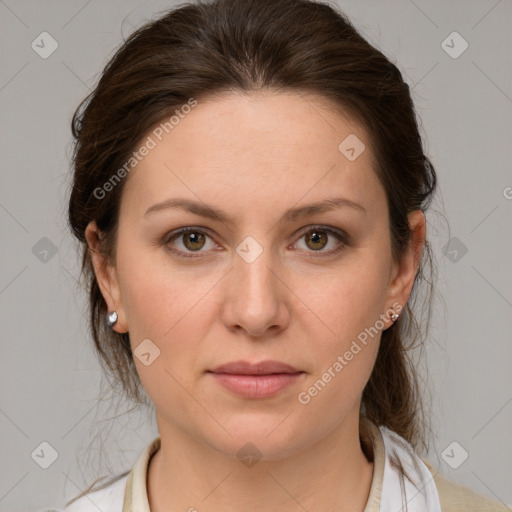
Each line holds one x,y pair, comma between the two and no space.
254,267
256,301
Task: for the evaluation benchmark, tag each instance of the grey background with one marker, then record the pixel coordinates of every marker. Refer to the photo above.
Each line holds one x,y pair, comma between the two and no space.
50,379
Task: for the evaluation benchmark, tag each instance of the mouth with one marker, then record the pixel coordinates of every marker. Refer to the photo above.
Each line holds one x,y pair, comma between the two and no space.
256,380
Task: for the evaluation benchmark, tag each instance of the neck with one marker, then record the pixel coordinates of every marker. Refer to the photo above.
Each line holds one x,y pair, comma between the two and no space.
331,474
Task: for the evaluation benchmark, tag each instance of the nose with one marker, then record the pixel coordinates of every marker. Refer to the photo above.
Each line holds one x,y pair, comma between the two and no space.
256,297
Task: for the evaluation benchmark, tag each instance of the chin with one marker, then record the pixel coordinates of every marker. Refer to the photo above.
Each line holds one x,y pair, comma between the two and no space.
262,436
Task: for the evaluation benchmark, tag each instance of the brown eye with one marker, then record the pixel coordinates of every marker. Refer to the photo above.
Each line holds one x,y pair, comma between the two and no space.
193,240
316,240
187,241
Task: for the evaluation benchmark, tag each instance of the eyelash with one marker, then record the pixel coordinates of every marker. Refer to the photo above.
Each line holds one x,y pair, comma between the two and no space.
342,237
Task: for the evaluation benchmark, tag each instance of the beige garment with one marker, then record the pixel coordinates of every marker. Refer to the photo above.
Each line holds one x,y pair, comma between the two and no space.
457,498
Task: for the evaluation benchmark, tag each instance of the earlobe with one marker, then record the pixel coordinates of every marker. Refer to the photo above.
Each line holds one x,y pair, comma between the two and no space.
105,276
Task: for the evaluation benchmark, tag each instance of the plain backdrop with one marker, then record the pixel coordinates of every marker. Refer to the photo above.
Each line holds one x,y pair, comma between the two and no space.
50,378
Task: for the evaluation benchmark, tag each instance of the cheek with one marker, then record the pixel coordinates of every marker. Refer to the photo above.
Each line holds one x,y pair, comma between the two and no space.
168,312
347,305
348,299
345,355
171,307
154,295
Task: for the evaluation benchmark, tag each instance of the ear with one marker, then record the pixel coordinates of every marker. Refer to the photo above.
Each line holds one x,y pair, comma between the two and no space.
106,277
404,271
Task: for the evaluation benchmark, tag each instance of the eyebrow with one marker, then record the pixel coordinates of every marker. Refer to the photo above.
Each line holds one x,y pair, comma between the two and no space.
291,214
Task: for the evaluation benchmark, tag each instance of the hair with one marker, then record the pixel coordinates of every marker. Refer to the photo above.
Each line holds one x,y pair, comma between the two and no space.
203,49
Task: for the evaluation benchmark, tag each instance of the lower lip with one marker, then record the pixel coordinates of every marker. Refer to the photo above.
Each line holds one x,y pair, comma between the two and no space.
256,386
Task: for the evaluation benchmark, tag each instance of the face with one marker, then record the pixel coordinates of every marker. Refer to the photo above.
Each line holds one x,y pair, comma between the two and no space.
310,289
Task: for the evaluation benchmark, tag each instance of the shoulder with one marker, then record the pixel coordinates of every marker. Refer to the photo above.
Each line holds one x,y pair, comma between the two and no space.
109,497
455,497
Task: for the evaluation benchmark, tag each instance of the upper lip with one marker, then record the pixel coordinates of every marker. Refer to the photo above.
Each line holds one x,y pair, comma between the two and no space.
262,368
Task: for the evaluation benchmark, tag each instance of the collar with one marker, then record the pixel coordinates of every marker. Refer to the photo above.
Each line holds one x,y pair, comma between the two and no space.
388,491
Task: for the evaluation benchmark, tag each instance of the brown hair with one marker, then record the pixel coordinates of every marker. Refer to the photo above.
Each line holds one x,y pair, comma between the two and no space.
198,50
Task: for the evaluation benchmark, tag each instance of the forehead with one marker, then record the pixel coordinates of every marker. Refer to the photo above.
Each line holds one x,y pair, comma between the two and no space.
260,147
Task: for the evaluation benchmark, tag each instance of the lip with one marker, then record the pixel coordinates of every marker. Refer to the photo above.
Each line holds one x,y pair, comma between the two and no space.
256,380
267,367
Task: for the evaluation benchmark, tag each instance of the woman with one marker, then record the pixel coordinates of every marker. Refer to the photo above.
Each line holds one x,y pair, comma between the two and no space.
250,192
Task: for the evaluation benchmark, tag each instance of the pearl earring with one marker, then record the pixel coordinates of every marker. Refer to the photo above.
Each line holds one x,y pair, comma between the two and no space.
111,319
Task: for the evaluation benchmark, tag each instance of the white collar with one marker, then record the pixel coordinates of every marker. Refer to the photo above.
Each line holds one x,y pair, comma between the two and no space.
399,494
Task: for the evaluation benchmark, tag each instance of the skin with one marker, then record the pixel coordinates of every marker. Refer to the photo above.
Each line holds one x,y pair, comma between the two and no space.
255,155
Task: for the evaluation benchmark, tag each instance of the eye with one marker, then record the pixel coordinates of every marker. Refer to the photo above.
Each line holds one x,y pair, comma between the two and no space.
318,237
191,240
